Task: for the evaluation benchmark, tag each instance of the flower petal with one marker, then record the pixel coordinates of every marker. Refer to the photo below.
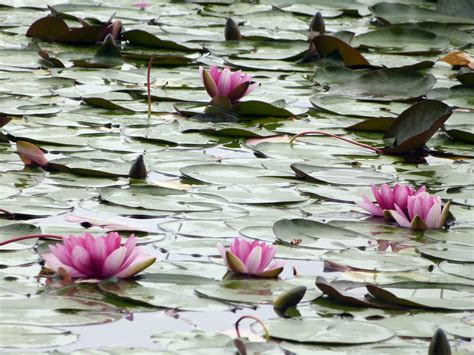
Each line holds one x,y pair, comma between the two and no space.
114,262
235,264
209,83
444,214
254,259
433,216
367,205
223,85
238,92
400,218
140,263
53,263
81,260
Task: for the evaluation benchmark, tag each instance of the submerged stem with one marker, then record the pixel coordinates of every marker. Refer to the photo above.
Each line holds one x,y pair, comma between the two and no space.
148,84
267,334
376,150
31,236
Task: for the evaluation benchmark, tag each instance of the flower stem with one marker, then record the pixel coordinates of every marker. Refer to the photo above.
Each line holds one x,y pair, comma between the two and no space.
376,150
267,334
31,236
148,84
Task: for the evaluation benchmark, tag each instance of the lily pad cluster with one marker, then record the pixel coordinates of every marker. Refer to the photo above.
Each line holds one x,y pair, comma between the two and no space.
94,141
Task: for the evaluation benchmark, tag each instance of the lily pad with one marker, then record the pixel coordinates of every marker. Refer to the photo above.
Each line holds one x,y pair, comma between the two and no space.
327,331
317,235
20,336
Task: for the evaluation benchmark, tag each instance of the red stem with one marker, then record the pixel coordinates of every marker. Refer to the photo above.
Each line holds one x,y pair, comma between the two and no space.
148,84
237,330
31,236
376,150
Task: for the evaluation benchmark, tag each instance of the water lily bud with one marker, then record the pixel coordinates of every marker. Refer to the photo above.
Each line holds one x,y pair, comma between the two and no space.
30,154
439,344
138,169
232,31
289,298
317,23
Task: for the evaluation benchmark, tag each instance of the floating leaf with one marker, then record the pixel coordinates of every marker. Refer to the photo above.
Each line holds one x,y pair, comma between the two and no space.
327,331
28,336
311,234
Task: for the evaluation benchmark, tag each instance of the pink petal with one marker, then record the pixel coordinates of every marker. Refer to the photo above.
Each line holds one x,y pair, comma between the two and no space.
53,263
243,250
419,206
223,250
400,218
30,153
275,265
141,262
401,196
223,85
267,255
254,260
387,197
235,79
113,262
215,73
130,245
112,242
81,260
370,207
251,88
62,253
420,190
377,195
433,217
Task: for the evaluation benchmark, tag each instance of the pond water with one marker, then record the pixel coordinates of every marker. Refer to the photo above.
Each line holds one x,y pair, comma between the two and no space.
369,72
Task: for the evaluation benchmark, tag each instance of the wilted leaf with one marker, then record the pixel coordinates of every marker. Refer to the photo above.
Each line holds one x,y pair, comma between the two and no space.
416,125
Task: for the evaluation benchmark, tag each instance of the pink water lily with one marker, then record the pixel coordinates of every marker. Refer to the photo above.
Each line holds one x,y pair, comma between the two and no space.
251,258
225,83
387,198
101,257
424,211
142,5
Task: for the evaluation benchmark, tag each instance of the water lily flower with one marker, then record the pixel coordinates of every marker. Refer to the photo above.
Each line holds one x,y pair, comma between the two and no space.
225,83
387,198
30,154
101,257
142,5
423,211
251,258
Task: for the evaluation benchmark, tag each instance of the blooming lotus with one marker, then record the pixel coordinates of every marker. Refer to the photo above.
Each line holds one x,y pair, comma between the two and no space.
387,198
423,211
101,257
251,258
225,83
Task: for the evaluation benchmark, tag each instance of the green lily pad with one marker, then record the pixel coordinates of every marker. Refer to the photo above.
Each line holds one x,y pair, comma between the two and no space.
20,336
375,261
317,235
255,291
463,270
328,331
340,176
447,251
